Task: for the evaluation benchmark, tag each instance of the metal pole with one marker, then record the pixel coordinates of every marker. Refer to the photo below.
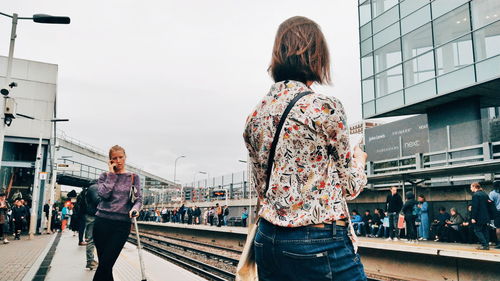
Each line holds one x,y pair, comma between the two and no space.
7,82
51,196
249,192
35,193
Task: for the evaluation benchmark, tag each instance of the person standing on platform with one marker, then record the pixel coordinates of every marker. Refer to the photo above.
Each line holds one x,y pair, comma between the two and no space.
480,216
121,199
92,200
226,214
220,214
408,211
4,207
424,226
79,216
197,214
244,217
19,214
182,211
495,197
302,230
190,215
394,204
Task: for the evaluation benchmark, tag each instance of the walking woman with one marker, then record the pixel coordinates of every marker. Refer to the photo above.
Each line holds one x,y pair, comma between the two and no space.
303,231
117,206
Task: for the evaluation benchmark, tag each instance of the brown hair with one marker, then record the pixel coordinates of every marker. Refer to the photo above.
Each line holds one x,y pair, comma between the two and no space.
116,148
300,52
476,185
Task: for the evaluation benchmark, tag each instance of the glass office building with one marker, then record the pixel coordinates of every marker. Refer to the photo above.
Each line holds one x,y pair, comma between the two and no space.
417,54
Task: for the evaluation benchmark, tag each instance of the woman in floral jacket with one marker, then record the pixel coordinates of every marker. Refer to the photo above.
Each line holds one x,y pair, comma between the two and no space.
304,231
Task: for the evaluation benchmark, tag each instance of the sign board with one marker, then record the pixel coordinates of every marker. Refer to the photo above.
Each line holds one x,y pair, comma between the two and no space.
407,136
219,194
68,167
43,175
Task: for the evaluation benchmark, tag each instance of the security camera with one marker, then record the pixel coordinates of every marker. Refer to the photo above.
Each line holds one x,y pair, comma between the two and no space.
4,91
12,85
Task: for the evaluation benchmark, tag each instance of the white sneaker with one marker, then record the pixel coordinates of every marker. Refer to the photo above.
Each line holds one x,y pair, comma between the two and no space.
388,239
5,241
395,239
421,238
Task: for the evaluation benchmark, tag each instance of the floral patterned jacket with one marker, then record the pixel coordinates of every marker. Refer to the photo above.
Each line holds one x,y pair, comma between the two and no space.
312,175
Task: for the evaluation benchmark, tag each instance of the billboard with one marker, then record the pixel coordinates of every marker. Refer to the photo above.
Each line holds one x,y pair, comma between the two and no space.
406,137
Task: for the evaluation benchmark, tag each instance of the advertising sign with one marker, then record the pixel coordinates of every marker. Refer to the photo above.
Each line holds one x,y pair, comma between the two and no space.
407,136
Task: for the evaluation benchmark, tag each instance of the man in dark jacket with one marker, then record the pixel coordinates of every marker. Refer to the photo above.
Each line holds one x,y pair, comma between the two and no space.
92,199
394,203
480,217
19,215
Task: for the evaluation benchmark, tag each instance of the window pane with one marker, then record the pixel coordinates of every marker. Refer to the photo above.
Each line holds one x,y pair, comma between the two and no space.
487,41
364,13
415,20
366,66
368,90
365,31
419,69
484,12
368,109
454,55
386,36
390,102
441,7
420,92
388,56
488,69
389,81
366,46
380,6
409,6
455,80
451,25
417,42
386,19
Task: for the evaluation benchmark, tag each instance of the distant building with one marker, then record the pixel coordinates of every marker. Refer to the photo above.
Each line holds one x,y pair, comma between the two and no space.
360,127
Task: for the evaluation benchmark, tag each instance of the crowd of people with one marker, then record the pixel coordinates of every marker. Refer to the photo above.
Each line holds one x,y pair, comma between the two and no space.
14,218
217,215
411,219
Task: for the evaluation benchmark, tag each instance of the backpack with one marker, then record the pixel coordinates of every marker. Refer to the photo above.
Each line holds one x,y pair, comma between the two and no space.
416,210
81,203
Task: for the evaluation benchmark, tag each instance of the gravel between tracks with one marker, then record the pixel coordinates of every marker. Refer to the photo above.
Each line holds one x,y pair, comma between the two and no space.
219,264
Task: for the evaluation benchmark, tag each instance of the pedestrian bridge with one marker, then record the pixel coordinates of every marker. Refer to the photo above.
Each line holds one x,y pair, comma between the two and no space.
79,164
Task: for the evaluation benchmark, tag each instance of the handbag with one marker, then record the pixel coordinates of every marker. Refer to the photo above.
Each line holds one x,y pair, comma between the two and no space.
401,221
133,191
247,267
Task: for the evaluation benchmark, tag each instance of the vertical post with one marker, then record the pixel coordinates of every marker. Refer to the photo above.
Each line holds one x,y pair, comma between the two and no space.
249,192
7,82
51,195
36,191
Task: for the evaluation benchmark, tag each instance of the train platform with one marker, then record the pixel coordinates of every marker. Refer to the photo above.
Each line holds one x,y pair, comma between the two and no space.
20,259
69,258
204,227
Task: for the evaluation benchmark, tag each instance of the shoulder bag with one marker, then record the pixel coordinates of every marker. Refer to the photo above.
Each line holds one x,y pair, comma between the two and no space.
247,267
133,191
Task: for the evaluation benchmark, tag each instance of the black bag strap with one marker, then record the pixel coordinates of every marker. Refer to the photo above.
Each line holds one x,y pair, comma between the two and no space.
272,151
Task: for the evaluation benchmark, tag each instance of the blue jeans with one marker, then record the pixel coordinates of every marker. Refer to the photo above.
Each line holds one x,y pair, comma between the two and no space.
305,253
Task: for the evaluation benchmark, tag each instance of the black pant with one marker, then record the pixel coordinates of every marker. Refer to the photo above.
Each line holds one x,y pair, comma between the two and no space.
411,228
18,227
109,238
81,229
482,234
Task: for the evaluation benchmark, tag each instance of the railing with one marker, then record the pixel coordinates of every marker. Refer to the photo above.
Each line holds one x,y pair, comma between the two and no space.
85,171
473,153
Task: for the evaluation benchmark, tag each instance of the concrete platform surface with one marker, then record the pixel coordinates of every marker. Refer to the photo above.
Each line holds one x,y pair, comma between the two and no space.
69,262
227,229
19,259
455,250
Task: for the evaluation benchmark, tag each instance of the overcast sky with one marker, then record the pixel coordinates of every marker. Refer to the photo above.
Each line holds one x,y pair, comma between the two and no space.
168,78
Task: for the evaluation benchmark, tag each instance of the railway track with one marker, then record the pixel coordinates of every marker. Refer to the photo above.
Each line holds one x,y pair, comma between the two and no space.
200,268
235,251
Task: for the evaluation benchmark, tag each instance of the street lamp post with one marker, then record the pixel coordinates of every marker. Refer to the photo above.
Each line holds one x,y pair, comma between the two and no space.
36,182
175,172
38,18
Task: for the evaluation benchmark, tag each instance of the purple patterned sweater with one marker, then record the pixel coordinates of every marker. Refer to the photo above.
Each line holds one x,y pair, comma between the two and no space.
114,190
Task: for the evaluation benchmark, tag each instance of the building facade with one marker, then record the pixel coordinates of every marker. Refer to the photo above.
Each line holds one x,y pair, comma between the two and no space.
418,54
